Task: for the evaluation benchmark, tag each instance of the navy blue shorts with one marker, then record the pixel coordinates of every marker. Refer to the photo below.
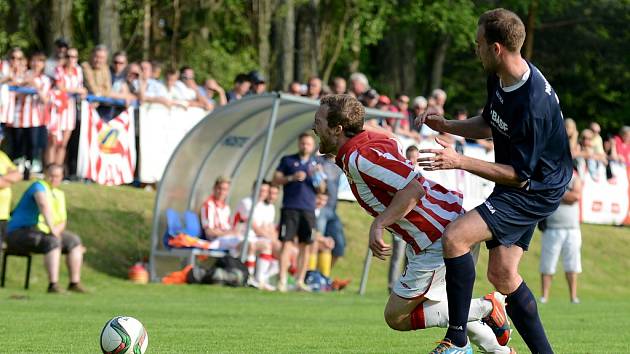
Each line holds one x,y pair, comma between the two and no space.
512,214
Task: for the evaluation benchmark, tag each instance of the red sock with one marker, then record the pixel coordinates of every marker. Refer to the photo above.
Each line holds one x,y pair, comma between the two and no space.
417,318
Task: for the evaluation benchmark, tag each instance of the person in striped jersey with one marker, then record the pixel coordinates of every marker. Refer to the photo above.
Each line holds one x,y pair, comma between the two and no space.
418,210
63,116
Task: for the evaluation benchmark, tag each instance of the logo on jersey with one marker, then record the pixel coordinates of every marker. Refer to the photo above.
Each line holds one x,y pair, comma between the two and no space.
490,207
499,96
498,122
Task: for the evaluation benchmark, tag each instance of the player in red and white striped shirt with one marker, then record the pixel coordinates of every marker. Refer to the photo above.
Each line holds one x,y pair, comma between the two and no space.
63,113
418,210
31,114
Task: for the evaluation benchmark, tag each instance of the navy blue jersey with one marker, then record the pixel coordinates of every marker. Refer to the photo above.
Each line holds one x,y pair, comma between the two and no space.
298,195
528,132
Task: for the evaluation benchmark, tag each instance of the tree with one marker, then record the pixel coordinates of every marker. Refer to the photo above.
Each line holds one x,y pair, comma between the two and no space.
108,24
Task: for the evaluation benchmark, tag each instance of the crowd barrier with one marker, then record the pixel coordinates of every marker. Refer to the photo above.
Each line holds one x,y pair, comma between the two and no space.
108,155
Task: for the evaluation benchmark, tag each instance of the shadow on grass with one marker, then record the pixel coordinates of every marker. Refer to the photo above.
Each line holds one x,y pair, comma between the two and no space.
115,239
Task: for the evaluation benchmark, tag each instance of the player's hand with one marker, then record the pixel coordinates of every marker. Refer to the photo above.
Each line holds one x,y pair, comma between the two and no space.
432,117
299,176
442,159
379,248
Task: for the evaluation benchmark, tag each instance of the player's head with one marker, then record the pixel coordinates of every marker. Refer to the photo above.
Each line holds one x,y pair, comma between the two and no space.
306,144
338,116
274,191
321,200
263,194
54,174
500,33
412,153
221,188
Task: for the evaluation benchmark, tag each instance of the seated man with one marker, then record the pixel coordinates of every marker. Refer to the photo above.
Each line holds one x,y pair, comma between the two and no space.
215,220
38,225
262,234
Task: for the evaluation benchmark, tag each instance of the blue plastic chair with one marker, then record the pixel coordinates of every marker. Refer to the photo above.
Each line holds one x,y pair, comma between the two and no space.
173,226
192,224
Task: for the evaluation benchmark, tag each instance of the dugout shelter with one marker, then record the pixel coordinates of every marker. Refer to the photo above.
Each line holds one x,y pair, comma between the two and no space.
243,140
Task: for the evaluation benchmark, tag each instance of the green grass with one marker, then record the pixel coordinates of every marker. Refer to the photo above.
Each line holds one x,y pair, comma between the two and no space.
115,223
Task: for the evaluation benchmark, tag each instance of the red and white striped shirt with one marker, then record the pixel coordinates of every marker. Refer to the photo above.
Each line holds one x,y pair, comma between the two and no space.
30,111
63,114
215,214
376,169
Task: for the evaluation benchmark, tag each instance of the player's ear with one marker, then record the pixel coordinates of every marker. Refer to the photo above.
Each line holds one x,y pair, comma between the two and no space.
338,130
497,49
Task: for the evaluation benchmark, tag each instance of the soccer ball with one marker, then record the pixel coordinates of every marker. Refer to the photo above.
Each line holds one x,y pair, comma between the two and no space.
123,335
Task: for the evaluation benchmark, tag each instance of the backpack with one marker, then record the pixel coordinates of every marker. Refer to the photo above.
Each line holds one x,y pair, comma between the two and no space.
226,271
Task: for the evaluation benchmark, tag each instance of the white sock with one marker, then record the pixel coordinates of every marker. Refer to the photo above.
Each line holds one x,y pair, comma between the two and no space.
479,308
263,267
482,336
251,264
436,312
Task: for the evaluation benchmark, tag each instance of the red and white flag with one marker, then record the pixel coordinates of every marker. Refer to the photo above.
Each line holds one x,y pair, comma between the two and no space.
107,150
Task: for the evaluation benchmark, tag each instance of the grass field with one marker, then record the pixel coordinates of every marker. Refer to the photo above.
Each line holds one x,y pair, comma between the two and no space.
114,224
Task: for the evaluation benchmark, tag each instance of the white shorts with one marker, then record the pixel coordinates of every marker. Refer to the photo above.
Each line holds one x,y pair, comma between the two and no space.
230,243
424,274
567,242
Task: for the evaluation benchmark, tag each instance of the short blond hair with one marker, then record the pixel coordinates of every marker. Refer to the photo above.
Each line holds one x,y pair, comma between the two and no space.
504,27
222,179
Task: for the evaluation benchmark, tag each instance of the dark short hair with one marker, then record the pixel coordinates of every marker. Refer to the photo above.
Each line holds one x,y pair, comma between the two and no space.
241,78
344,110
38,55
411,148
184,68
262,183
504,27
304,135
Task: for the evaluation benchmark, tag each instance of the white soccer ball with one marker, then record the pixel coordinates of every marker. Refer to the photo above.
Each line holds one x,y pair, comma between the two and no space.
122,335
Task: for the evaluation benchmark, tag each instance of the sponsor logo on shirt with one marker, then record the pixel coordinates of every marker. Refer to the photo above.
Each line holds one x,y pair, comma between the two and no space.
490,207
498,122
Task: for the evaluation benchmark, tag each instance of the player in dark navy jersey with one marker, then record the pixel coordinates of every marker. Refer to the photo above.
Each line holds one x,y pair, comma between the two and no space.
531,170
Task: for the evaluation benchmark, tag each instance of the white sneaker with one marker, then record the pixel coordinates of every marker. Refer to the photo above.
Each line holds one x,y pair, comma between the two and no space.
542,300
575,300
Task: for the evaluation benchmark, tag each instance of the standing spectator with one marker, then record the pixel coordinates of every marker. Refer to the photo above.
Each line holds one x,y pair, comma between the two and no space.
157,69
174,91
295,88
439,98
314,88
592,159
370,98
597,141
149,89
127,87
118,70
622,144
338,85
8,175
258,83
61,48
402,126
29,121
299,175
358,84
191,90
69,80
38,224
242,84
562,236
96,74
328,222
573,135
12,71
211,88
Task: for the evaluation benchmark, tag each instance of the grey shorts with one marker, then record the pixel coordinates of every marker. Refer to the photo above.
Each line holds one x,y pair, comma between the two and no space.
35,241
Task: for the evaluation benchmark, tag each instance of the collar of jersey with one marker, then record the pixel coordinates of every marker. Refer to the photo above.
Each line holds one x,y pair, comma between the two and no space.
354,141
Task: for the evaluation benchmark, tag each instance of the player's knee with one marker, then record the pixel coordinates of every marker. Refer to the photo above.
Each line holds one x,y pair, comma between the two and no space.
393,319
450,239
502,279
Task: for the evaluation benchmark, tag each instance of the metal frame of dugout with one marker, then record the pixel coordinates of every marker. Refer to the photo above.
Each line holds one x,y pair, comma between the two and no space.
243,140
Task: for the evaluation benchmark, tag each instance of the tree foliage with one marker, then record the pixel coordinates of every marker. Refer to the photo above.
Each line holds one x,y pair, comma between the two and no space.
406,46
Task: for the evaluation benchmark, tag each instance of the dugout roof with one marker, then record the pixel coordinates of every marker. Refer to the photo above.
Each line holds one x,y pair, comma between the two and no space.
230,142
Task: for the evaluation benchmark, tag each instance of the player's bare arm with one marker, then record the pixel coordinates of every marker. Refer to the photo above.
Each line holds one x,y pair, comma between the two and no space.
473,128
447,159
403,202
